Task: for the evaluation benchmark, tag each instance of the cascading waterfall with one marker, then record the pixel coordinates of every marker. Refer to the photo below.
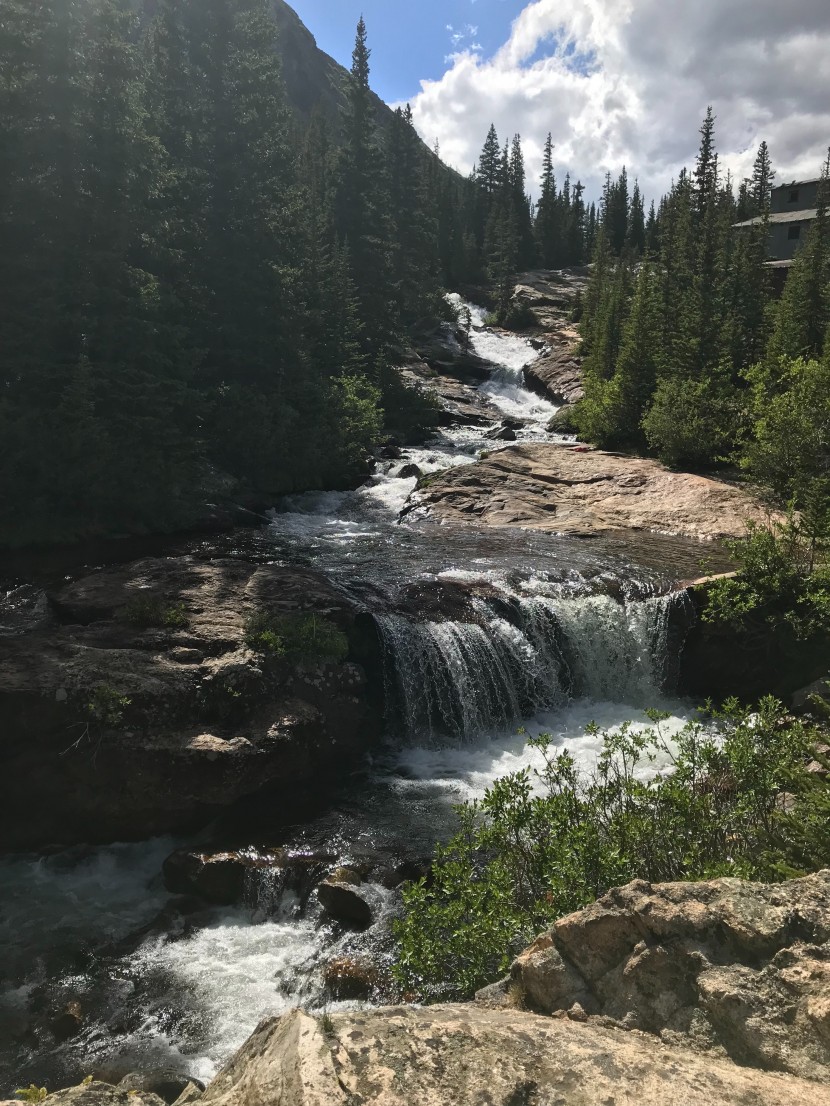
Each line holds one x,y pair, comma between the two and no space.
463,679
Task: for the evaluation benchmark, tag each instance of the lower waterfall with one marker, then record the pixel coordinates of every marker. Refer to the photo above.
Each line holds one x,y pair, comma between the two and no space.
460,679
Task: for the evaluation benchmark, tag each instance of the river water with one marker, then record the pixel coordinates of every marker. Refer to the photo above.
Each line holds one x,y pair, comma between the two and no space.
565,633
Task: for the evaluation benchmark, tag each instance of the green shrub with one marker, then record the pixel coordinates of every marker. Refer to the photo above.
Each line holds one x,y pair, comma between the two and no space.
106,706
297,637
31,1093
691,421
147,611
783,580
540,845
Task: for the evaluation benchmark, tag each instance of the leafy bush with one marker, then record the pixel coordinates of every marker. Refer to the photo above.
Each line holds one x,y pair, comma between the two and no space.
297,637
690,421
542,844
790,447
783,580
146,611
106,706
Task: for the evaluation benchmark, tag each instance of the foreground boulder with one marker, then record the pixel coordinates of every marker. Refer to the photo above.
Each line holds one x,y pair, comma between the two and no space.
562,489
470,1056
739,968
141,709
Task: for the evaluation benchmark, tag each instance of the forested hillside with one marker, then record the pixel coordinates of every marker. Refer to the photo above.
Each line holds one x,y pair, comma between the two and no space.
200,293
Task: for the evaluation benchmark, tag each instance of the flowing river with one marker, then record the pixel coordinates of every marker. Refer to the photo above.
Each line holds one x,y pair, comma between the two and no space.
566,633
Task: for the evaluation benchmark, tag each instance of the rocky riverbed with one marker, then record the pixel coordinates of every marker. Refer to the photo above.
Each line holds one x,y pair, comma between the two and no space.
707,994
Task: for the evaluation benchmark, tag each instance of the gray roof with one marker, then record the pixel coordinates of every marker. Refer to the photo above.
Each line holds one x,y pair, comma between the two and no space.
804,216
796,184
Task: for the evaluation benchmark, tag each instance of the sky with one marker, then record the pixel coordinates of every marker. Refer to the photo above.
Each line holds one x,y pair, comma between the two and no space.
616,82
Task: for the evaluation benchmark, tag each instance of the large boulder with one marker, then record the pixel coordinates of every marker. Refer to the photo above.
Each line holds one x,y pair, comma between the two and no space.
468,1056
573,490
345,902
141,710
739,968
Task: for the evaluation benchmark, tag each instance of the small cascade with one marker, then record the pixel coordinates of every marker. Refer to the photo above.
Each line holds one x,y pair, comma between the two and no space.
463,679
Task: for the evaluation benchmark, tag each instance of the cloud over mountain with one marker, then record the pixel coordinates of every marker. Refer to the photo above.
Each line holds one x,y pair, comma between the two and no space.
628,82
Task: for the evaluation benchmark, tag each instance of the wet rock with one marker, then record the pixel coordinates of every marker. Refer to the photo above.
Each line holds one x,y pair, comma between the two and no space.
349,980
407,472
468,1055
556,488
501,434
68,1023
345,902
167,1083
512,423
216,877
391,452
557,376
102,1094
737,967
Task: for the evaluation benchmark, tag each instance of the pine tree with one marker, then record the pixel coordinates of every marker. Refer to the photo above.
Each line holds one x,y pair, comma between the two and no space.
362,212
760,185
548,225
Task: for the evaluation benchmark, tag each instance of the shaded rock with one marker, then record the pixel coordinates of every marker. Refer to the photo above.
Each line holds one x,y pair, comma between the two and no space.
167,1083
345,902
102,1094
133,731
737,967
217,877
349,980
470,1055
554,487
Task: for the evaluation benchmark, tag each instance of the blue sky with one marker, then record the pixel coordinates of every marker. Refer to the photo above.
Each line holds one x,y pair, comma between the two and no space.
409,38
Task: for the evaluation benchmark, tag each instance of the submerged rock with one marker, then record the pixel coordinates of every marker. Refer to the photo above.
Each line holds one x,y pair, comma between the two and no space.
467,1056
349,980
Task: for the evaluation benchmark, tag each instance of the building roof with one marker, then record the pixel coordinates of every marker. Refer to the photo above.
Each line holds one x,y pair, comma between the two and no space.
804,216
796,184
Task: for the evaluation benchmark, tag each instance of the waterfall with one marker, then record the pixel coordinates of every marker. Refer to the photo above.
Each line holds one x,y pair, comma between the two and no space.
461,679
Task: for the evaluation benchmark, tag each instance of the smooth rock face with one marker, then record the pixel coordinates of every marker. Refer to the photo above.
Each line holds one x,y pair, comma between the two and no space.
208,721
471,1056
557,376
742,969
556,488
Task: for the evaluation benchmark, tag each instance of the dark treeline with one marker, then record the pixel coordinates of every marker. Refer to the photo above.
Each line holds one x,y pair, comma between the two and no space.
197,297
690,351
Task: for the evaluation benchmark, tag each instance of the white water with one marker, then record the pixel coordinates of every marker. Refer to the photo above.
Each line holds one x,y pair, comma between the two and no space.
561,660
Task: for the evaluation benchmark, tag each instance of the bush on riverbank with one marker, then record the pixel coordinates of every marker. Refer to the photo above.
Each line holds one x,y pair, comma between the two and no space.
730,797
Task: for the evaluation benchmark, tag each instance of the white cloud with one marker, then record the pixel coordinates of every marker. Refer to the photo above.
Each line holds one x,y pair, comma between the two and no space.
628,82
